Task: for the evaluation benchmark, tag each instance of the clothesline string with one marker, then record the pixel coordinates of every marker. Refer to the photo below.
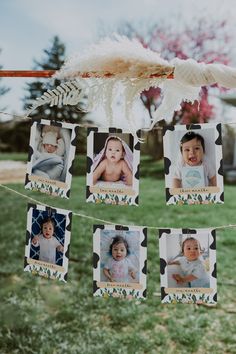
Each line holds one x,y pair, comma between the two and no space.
47,205
102,220
91,125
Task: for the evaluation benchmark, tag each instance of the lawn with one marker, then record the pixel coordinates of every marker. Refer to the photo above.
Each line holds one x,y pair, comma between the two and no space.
45,316
13,156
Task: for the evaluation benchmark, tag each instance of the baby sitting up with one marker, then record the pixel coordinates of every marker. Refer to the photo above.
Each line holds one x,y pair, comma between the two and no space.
112,163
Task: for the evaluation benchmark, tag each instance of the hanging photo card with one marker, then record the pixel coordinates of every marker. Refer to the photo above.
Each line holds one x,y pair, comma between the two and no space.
51,154
193,164
47,242
119,261
188,266
113,159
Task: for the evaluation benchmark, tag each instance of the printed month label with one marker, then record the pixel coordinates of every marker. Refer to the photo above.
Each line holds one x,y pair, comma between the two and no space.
48,181
205,190
119,285
100,190
188,290
45,264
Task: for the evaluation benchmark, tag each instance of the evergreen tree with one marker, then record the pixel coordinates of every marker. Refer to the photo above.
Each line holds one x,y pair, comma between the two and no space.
53,60
3,89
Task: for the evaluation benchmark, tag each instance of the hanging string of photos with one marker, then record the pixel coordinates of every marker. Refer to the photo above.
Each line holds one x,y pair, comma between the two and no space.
123,66
52,257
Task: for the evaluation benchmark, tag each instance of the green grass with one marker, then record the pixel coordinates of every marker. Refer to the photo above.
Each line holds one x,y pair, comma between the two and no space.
150,167
41,316
14,156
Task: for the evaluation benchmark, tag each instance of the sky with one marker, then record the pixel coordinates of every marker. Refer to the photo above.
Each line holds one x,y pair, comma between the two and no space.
27,27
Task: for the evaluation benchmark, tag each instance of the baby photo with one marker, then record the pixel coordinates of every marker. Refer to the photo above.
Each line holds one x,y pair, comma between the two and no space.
119,261
113,160
50,158
188,265
47,241
193,164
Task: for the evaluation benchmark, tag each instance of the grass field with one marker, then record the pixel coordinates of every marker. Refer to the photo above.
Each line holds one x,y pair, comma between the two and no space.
42,316
13,156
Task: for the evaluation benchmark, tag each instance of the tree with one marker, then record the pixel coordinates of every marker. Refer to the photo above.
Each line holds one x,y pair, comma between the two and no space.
3,89
205,41
53,59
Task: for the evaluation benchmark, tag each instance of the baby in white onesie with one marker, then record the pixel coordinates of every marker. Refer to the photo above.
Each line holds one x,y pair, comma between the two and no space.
194,170
193,271
47,242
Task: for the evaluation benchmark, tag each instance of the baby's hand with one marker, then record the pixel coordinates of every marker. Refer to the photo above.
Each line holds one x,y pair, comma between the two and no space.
133,274
127,181
35,240
177,278
60,248
110,279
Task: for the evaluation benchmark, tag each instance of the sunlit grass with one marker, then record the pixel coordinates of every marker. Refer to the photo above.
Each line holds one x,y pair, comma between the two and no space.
40,316
14,156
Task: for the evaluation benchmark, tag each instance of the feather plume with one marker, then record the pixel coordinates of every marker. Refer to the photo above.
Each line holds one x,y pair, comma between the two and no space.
120,58
124,66
119,67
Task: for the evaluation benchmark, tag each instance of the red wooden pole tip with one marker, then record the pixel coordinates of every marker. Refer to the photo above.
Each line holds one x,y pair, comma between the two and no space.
27,73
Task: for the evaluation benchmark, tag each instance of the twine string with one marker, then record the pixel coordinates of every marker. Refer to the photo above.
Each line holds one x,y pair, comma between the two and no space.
102,220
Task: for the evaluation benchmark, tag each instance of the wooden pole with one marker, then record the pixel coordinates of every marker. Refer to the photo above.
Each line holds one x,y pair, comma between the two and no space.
26,73
50,73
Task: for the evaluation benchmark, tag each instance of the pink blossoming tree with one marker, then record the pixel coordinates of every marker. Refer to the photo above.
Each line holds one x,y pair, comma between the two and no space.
205,41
